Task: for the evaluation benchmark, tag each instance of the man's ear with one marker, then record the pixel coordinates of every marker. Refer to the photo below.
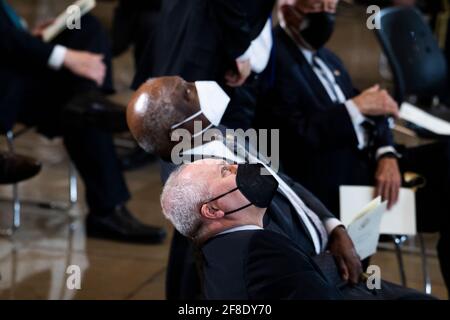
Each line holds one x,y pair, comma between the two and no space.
209,212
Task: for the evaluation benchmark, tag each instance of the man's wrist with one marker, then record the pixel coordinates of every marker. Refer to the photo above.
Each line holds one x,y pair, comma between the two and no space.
331,224
387,152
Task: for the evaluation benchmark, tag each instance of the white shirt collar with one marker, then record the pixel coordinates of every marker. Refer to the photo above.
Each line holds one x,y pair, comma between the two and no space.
308,54
241,228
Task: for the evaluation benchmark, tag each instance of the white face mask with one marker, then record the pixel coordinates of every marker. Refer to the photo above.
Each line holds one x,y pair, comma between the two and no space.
213,103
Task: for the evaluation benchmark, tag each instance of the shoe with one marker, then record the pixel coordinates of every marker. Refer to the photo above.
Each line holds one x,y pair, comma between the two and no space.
15,168
98,111
120,225
135,159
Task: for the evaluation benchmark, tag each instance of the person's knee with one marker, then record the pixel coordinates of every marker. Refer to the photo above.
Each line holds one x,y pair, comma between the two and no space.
90,36
90,23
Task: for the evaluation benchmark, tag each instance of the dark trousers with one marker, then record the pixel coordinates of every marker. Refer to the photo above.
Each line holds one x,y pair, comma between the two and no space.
40,96
432,161
183,278
361,291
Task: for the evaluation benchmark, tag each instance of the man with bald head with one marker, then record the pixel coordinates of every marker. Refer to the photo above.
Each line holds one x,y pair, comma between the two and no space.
156,106
167,103
164,104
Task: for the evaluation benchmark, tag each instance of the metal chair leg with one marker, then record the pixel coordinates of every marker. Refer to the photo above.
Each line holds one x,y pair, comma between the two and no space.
73,191
398,241
10,140
16,201
15,190
425,271
73,194
16,207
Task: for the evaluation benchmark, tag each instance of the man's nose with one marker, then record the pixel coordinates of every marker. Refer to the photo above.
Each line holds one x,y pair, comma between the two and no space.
233,168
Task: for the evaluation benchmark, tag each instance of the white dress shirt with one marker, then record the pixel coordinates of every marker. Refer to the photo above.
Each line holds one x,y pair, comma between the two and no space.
57,57
259,50
241,228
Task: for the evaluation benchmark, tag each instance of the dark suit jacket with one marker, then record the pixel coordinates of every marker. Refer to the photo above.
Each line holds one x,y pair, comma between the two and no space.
26,81
18,46
260,264
135,23
318,144
200,39
18,49
281,217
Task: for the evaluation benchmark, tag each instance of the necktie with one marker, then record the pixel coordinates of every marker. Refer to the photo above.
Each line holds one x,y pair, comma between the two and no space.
13,16
308,217
318,65
317,224
370,132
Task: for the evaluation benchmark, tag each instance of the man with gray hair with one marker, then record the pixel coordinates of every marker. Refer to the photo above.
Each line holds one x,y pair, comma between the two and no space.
296,214
222,208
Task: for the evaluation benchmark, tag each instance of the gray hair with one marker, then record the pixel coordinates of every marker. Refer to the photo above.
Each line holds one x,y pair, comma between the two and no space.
181,200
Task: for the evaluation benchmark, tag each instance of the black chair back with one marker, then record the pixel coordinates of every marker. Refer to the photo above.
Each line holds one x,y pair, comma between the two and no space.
418,64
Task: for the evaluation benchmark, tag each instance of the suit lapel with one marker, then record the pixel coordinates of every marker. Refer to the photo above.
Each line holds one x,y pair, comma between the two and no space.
337,73
316,88
283,212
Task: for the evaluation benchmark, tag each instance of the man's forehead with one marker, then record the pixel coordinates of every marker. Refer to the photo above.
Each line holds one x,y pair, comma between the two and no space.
202,167
162,85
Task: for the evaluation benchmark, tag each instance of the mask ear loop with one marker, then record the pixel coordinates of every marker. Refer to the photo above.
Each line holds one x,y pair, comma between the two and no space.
238,209
222,195
195,115
227,193
203,131
179,124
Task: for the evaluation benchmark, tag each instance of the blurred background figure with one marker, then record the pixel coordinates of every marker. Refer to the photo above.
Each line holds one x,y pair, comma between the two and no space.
135,24
58,87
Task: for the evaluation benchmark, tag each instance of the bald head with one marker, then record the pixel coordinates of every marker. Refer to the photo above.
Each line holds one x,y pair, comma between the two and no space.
155,107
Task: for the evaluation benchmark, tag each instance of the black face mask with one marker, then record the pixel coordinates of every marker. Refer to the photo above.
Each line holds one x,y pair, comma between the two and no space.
259,189
318,28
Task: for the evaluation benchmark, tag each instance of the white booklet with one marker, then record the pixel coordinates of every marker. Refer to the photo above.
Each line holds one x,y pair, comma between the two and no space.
60,24
364,230
424,120
400,219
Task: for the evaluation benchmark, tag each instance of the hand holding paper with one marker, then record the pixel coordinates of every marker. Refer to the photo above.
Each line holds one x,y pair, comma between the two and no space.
401,219
364,229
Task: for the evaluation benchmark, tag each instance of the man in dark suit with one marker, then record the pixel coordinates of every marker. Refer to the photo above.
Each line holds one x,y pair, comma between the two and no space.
221,207
204,40
40,86
135,24
293,212
155,108
342,137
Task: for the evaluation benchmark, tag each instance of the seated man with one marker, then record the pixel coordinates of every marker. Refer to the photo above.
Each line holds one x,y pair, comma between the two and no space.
222,207
343,136
163,104
37,81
